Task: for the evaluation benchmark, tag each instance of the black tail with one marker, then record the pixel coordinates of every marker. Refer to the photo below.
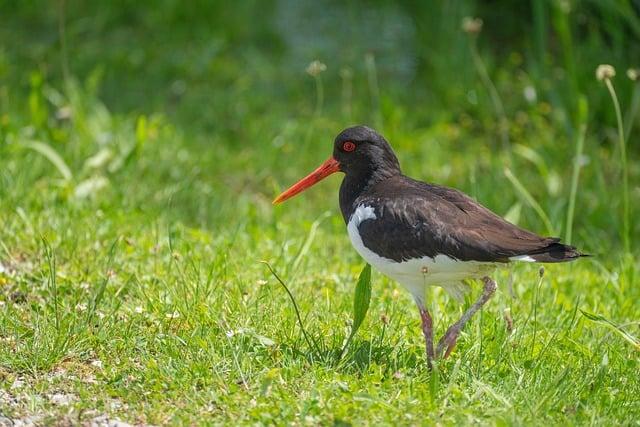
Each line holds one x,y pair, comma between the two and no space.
556,252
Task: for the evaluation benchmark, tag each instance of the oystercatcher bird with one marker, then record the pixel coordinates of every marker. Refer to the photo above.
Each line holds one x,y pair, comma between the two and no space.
422,234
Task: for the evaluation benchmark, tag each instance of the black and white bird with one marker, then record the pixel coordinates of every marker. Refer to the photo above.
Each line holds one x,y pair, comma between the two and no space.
422,234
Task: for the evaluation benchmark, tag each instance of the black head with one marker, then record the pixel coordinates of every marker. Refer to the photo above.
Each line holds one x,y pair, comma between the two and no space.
361,150
361,153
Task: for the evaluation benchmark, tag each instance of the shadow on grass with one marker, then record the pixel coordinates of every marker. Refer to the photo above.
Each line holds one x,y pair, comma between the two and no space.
359,358
348,356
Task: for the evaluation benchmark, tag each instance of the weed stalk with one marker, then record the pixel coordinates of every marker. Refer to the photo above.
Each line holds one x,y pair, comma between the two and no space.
310,342
473,27
314,69
374,89
605,73
577,164
53,286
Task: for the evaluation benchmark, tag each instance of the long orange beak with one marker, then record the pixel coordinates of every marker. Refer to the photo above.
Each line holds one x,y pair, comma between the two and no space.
327,168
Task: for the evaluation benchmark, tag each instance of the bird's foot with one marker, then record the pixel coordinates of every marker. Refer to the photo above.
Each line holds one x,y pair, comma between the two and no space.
448,341
490,287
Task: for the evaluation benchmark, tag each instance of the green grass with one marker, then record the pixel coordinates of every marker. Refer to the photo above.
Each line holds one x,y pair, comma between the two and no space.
133,226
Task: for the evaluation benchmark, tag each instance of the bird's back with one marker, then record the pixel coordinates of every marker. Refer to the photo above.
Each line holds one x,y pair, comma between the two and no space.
414,219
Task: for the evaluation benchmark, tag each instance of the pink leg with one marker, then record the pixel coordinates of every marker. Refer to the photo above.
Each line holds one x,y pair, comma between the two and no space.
427,331
449,339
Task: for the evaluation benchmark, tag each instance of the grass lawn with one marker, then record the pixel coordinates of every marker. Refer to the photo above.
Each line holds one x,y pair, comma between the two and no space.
133,226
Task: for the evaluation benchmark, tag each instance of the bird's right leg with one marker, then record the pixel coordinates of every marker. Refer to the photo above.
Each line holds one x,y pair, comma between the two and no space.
427,330
448,341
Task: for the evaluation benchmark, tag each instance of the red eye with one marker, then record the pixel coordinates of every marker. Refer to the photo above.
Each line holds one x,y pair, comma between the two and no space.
348,146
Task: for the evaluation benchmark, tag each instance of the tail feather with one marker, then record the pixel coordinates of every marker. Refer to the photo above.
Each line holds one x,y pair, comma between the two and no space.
556,252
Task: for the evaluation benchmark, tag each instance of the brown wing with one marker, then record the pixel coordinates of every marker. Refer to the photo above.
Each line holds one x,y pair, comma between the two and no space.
416,219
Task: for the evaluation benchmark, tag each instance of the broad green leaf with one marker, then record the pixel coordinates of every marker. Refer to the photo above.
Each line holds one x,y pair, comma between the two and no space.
362,298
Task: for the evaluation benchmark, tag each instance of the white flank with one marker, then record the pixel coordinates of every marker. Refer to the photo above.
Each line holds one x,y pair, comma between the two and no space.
525,258
417,273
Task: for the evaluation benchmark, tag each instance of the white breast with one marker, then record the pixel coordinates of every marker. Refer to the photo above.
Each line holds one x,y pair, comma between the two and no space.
416,273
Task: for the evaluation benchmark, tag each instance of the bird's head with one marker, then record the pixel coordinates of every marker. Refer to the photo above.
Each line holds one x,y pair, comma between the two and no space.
358,151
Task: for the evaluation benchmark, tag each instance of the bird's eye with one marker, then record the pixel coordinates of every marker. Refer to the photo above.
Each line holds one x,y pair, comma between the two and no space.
348,146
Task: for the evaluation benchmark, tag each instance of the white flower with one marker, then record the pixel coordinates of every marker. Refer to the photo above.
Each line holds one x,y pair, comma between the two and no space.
605,72
530,94
316,67
471,25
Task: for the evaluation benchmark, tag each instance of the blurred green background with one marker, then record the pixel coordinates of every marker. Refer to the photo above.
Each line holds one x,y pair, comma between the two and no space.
200,59
231,79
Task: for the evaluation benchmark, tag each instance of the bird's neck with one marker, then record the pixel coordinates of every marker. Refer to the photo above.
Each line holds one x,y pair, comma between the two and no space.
355,185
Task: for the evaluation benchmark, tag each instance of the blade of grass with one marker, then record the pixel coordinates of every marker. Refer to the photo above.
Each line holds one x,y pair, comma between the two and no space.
99,293
535,310
605,73
577,163
529,199
307,243
312,344
613,326
374,88
623,164
498,106
51,155
633,110
52,282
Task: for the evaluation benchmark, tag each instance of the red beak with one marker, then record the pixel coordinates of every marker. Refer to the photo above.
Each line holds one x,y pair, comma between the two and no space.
327,168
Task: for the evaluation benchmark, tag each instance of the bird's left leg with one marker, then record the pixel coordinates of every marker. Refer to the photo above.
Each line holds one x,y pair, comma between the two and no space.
451,336
427,330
